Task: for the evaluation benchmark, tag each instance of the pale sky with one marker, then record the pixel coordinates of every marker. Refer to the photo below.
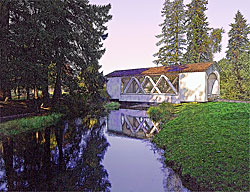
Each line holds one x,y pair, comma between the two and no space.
131,41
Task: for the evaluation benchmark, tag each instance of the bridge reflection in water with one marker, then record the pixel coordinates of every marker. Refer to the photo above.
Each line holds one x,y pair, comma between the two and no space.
132,123
132,161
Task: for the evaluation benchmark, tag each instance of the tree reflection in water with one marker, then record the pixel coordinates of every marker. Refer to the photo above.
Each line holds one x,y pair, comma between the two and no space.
65,157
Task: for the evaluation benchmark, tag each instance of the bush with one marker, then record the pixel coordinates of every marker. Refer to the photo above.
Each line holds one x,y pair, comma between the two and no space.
162,112
78,105
112,106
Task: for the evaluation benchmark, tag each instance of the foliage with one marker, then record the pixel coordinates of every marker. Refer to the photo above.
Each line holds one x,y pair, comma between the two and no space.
163,53
215,39
112,106
197,32
78,105
172,40
230,87
162,112
56,39
22,125
186,30
238,42
235,67
210,142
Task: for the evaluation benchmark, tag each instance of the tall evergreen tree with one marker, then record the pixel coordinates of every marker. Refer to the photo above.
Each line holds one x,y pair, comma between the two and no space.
238,54
164,53
177,32
197,32
238,38
89,21
172,37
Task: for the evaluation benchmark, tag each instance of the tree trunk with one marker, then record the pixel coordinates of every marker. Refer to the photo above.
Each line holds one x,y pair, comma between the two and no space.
199,57
45,87
45,93
167,44
18,92
58,90
7,94
35,93
28,93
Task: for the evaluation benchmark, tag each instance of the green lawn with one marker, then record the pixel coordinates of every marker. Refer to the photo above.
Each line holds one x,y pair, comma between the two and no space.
209,143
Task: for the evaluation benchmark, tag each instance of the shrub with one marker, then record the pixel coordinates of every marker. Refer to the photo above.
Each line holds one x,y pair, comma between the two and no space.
162,112
112,106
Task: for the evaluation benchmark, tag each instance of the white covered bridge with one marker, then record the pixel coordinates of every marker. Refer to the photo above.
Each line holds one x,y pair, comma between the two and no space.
196,82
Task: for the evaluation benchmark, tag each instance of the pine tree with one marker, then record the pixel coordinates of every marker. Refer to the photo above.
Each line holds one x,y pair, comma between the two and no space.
197,32
238,52
177,32
238,38
163,53
172,37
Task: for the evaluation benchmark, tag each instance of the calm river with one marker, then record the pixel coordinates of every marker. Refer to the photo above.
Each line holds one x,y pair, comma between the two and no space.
89,154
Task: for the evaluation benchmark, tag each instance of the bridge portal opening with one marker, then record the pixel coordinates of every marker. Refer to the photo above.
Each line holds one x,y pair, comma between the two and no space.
213,86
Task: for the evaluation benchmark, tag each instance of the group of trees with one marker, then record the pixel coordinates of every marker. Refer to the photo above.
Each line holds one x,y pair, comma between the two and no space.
51,43
187,38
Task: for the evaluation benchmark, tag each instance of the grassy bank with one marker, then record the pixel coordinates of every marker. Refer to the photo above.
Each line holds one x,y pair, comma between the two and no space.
18,126
209,144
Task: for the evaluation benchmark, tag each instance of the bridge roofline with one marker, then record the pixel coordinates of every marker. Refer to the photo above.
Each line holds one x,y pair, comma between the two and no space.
174,69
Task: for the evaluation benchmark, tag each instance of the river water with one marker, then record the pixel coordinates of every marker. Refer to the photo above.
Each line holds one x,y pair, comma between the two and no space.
87,154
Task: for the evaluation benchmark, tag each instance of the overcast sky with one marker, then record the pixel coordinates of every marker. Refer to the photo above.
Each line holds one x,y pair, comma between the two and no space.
132,30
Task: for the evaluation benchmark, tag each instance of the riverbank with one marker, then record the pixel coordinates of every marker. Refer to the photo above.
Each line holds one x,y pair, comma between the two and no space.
208,144
18,107
15,127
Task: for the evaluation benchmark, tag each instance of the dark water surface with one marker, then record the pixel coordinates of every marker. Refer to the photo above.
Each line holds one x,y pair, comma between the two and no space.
89,154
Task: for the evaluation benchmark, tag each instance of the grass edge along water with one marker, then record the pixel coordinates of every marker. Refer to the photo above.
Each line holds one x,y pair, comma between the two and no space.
209,142
18,126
